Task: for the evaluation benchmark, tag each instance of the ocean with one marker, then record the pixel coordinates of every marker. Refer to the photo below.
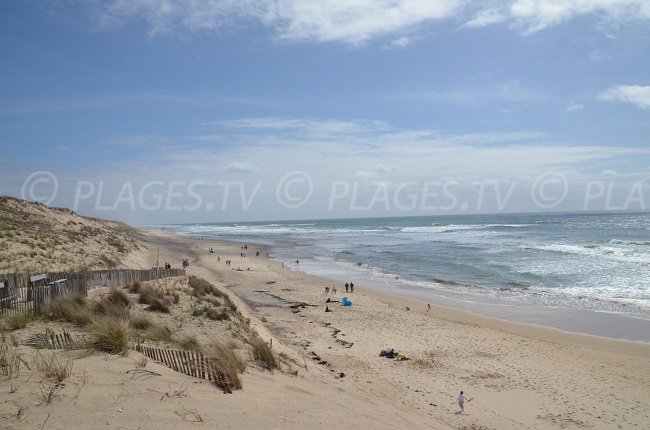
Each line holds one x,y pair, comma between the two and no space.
491,263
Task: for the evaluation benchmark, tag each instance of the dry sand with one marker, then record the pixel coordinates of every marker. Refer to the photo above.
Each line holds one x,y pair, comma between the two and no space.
521,377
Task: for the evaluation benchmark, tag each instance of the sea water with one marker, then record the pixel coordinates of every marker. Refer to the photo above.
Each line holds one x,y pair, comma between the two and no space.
598,262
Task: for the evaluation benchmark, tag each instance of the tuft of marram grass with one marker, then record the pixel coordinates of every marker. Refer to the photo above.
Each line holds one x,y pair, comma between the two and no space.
158,305
263,354
110,335
73,309
51,367
147,294
18,320
226,353
216,314
134,288
140,322
118,297
201,288
11,359
190,343
159,333
226,365
107,308
154,298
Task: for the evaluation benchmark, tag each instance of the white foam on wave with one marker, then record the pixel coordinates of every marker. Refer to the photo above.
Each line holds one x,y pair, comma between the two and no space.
441,228
608,252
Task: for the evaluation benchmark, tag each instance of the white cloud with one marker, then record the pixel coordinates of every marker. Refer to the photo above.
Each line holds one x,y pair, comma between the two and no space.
356,22
349,21
636,94
374,158
575,107
303,125
486,17
242,167
400,42
352,21
535,15
531,16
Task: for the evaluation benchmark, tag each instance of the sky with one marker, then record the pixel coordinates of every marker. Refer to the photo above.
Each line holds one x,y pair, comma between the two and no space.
162,111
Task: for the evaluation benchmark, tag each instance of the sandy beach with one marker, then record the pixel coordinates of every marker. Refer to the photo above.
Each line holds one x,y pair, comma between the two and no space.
521,376
330,373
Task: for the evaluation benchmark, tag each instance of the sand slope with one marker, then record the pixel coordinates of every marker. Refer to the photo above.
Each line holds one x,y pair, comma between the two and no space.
36,238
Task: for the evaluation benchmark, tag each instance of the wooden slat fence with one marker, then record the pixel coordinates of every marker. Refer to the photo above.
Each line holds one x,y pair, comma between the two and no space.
51,340
18,296
191,363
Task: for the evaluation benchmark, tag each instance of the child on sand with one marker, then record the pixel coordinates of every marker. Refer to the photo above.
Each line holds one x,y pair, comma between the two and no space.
461,401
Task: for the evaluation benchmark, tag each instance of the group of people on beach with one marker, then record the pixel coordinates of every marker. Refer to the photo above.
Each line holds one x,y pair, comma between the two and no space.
349,287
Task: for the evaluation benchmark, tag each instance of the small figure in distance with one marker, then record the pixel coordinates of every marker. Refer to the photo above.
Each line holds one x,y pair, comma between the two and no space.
462,398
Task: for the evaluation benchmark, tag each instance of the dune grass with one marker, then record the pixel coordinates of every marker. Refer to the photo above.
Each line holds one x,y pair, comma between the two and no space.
158,305
140,322
51,367
190,343
201,288
263,354
159,333
227,364
11,358
154,298
18,320
110,335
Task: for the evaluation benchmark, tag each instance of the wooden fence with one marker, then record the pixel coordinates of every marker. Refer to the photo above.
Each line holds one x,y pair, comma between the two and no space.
18,295
191,363
51,340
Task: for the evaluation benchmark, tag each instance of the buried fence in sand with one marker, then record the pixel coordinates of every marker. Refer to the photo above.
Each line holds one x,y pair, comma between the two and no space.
191,363
22,293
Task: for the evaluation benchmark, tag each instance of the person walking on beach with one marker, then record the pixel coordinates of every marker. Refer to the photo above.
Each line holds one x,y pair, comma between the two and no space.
333,289
351,287
347,287
428,307
462,398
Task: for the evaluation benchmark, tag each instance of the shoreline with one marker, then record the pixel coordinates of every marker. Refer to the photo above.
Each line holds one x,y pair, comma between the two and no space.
523,376
567,321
